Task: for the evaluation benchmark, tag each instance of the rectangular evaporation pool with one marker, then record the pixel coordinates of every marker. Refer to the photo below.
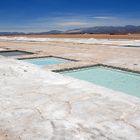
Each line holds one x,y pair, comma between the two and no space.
119,80
14,53
131,46
46,61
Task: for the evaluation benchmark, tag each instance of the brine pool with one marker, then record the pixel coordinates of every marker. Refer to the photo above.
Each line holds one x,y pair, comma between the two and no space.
46,61
14,53
127,82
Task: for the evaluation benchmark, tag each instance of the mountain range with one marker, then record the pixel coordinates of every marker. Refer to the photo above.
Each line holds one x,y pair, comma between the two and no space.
89,30
107,30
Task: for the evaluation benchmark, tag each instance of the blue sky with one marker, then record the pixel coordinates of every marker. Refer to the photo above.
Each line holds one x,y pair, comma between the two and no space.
44,15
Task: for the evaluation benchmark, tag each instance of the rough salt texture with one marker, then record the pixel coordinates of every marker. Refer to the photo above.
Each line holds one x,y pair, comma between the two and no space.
75,40
41,105
86,54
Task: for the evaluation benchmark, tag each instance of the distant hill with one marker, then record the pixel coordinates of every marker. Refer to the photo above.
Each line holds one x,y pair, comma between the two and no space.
32,33
54,32
49,32
12,33
90,30
106,30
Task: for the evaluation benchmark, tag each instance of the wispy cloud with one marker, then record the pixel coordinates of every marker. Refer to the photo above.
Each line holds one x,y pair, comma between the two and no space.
103,17
73,23
68,21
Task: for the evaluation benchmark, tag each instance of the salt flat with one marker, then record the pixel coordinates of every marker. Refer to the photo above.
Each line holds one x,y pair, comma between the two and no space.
76,40
87,51
37,104
41,105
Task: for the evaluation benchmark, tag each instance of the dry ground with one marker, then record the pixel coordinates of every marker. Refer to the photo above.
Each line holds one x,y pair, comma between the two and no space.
86,54
98,36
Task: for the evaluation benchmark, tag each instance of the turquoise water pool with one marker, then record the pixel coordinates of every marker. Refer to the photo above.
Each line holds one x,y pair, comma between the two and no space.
123,81
46,61
14,53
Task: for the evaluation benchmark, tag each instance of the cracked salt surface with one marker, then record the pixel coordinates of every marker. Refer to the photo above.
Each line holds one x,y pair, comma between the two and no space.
42,105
